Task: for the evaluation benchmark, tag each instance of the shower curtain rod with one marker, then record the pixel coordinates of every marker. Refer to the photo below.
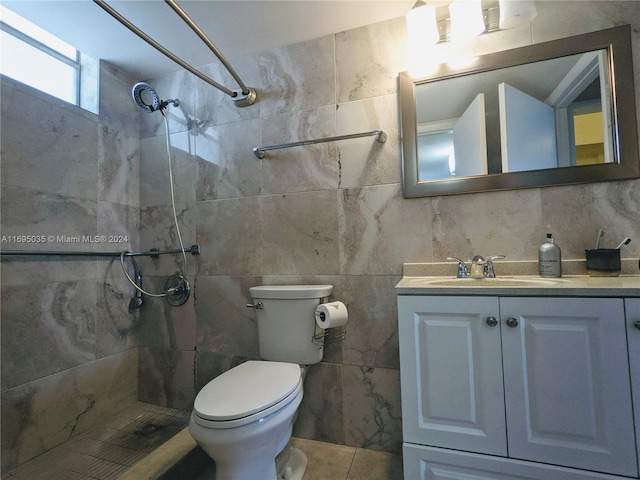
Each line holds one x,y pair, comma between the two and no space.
242,97
381,137
194,250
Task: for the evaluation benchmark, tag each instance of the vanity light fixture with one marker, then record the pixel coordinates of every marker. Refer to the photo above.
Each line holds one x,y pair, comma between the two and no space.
421,25
434,21
467,20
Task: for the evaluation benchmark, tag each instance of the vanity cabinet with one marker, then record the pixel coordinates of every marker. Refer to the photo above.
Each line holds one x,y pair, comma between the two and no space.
532,379
632,308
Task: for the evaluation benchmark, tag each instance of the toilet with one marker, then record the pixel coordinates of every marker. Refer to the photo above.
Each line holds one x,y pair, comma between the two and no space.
243,419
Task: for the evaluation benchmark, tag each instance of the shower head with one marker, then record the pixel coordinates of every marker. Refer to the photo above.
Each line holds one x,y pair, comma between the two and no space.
148,99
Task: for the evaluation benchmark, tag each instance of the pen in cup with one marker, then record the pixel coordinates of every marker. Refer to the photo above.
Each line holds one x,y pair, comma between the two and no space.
600,235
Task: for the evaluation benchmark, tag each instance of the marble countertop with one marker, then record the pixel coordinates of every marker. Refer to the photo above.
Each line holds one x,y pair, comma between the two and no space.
517,279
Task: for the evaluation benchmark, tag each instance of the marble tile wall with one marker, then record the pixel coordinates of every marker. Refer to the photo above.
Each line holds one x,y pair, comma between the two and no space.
69,342
334,213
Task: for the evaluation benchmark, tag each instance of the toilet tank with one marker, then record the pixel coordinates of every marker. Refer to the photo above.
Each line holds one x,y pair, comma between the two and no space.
286,322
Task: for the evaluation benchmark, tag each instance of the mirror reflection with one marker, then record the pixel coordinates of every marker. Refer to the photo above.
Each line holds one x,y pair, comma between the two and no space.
547,114
554,113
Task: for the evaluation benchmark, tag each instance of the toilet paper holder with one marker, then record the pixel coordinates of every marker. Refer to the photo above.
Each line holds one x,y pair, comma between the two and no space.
329,336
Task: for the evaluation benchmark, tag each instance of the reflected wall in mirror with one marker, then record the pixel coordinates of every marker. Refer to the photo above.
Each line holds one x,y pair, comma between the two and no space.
553,113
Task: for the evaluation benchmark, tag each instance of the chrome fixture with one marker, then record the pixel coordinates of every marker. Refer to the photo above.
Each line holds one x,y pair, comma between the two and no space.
463,270
243,97
480,267
177,288
136,302
153,253
477,267
489,272
381,137
148,99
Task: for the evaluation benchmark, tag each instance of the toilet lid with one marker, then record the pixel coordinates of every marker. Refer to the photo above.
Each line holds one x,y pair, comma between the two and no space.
246,389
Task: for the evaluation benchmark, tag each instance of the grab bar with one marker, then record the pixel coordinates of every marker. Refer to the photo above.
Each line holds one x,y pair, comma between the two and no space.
243,97
153,253
381,137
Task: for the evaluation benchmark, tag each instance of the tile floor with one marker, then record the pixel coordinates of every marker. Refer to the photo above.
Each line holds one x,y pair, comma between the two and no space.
108,451
328,461
339,462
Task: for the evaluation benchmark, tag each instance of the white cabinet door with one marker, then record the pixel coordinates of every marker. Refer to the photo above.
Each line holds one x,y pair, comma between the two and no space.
567,381
632,310
428,463
470,140
451,373
527,131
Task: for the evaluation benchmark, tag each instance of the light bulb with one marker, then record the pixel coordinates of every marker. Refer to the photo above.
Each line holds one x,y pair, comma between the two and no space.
422,28
466,19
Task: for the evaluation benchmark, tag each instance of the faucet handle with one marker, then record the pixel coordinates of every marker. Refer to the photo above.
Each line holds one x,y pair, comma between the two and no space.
463,271
489,272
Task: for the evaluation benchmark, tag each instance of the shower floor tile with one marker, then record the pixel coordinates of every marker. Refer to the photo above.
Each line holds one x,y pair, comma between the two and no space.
107,451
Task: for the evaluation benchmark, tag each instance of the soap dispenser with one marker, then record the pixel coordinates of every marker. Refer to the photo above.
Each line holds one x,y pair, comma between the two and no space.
550,259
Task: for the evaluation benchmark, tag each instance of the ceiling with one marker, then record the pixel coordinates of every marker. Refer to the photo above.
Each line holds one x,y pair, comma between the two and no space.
236,27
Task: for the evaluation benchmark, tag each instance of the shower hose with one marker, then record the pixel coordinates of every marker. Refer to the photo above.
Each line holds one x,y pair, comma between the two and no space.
175,220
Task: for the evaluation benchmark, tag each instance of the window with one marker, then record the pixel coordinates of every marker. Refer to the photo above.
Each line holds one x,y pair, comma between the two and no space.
33,56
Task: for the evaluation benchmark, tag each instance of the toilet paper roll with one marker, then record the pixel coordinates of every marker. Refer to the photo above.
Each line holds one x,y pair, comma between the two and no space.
329,315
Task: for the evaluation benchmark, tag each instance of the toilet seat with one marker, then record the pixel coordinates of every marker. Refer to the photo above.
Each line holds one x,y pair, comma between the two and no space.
247,392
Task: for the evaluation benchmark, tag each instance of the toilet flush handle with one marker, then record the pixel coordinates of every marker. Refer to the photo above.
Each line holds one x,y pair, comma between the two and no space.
258,305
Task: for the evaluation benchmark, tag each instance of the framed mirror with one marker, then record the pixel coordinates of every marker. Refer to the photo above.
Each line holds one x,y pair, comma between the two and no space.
553,113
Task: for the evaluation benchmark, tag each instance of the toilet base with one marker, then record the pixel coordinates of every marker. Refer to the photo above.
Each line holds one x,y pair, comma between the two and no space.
291,463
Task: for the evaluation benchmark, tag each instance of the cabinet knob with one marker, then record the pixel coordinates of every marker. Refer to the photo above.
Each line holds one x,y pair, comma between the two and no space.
492,322
512,322
637,324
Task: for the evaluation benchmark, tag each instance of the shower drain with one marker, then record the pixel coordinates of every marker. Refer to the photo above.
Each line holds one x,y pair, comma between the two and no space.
148,430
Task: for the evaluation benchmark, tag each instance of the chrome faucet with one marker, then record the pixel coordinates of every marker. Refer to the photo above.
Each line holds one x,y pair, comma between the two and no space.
480,268
477,267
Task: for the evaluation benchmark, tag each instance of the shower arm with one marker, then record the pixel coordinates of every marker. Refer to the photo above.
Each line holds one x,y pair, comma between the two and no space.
240,98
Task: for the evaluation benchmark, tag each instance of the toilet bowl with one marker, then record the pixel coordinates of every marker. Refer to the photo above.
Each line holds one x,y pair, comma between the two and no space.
251,420
244,418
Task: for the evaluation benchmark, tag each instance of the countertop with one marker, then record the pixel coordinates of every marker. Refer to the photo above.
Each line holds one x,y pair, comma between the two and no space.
517,279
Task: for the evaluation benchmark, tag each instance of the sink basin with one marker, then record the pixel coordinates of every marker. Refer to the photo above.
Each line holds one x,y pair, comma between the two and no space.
489,282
